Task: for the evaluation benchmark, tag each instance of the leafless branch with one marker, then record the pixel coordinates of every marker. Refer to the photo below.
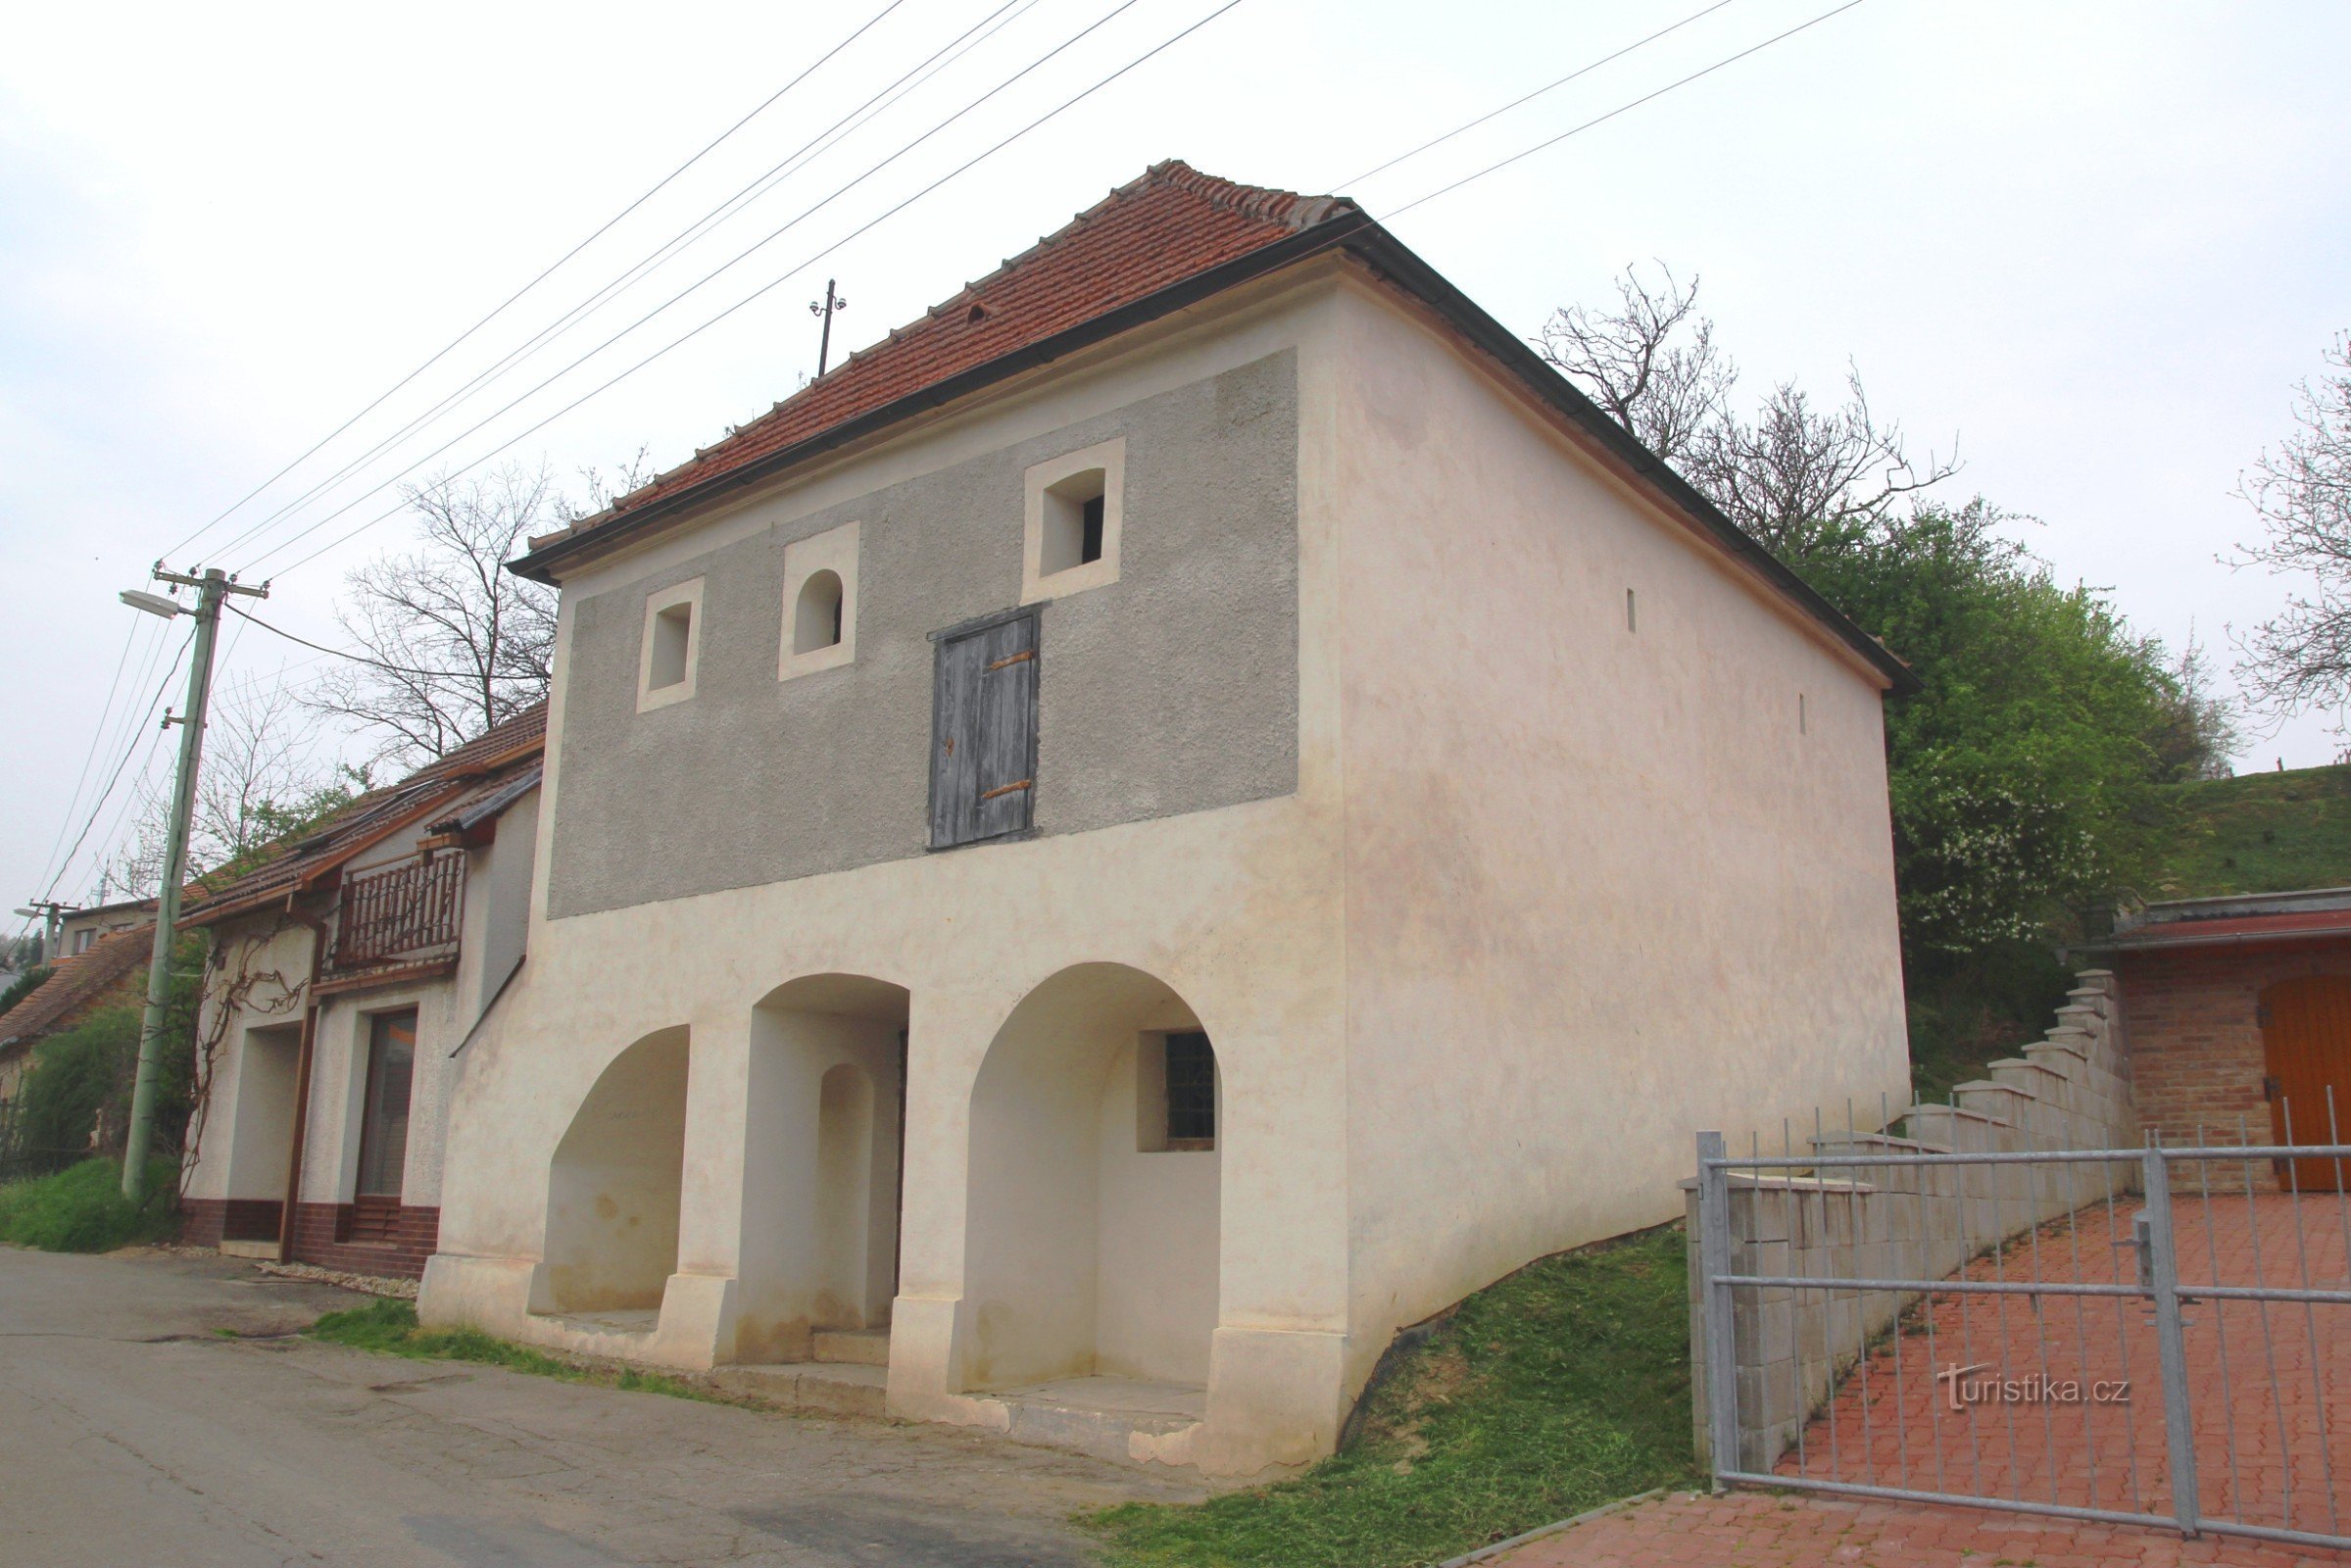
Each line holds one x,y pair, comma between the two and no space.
472,644
2301,656
1788,476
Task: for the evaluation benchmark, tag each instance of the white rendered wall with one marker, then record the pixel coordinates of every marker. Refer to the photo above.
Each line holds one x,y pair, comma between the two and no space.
1602,892
260,1120
1234,909
1156,1248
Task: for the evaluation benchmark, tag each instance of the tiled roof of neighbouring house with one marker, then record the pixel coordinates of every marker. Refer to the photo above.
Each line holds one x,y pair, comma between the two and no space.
78,980
1169,227
477,767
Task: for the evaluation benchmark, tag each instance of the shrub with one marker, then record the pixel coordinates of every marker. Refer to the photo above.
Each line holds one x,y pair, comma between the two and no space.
82,1209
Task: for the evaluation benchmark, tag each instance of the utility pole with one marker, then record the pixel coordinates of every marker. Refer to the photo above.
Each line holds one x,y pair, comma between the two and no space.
212,587
52,915
833,304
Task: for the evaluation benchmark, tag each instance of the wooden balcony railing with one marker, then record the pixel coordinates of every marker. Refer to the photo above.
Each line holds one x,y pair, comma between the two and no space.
409,913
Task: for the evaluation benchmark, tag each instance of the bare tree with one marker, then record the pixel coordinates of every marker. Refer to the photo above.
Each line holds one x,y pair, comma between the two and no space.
1668,394
1791,475
453,643
602,489
2301,656
262,778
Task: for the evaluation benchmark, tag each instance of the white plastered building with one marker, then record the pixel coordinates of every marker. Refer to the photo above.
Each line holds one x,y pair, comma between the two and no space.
1176,816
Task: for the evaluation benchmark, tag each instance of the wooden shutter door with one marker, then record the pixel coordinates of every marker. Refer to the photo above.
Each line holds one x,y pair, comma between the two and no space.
984,732
2306,1035
1008,713
954,758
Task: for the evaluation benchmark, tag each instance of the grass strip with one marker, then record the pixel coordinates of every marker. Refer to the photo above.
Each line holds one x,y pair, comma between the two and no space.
1558,1388
390,1328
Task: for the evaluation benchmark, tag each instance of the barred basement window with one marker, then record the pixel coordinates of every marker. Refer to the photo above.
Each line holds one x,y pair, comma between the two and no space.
1191,1091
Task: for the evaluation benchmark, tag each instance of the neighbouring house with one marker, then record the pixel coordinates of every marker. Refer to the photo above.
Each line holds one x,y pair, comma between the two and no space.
344,971
1186,809
78,929
109,972
2238,1011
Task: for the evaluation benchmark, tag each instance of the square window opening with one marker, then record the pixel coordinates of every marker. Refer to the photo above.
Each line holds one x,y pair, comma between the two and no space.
671,629
1073,522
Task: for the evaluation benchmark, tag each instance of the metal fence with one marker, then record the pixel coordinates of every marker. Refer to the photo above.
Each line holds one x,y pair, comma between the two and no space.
2132,1336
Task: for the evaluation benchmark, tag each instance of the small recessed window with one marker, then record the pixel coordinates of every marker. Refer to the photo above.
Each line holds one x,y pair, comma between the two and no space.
816,620
1803,723
1073,522
1175,1092
820,601
672,640
1632,612
1074,512
672,628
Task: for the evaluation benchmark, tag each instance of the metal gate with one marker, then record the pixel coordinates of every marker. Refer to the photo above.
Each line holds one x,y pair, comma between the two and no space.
2131,1336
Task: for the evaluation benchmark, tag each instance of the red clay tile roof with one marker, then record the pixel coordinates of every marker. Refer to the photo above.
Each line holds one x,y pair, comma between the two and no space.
79,981
495,754
1163,229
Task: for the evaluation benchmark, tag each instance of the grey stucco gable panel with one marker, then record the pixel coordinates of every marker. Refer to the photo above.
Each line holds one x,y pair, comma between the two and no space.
1171,690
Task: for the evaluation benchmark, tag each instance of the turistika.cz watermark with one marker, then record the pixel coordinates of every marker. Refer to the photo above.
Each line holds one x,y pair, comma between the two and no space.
1963,1389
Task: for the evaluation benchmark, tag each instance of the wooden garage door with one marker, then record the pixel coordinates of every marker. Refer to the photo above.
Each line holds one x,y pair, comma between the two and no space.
2306,1037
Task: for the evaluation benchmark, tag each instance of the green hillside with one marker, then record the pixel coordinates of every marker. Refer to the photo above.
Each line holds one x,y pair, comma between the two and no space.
2259,833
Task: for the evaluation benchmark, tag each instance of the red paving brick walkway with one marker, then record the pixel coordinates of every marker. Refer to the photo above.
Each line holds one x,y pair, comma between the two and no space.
1753,1530
2270,1396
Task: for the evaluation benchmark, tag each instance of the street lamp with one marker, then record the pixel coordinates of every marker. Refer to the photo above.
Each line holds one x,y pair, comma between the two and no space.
153,603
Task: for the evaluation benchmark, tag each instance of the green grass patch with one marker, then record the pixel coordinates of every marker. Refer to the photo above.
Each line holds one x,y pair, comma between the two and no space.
1561,1388
390,1328
81,1209
2259,833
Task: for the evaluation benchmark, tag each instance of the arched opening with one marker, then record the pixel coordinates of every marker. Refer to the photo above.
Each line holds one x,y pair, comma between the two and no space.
823,1135
613,1189
817,618
1093,1215
2306,1044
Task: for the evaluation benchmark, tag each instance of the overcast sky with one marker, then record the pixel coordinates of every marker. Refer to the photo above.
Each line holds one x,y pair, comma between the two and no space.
2096,244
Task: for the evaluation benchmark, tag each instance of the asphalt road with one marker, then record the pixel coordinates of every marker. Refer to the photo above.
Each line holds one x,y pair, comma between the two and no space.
133,1432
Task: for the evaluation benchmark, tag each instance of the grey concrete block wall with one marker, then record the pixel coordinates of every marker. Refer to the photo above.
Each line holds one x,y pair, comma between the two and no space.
1793,1347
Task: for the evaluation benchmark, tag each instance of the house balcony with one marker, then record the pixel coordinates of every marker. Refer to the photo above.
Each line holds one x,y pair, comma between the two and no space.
398,919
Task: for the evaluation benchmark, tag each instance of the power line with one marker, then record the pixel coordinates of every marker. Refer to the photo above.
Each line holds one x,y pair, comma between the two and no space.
829,138
152,704
1580,70
128,723
65,822
736,259
763,289
359,659
132,798
657,187
1600,119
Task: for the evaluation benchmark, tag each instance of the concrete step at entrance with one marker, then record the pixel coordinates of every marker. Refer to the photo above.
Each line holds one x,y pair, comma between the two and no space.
853,1346
1100,1415
828,1386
